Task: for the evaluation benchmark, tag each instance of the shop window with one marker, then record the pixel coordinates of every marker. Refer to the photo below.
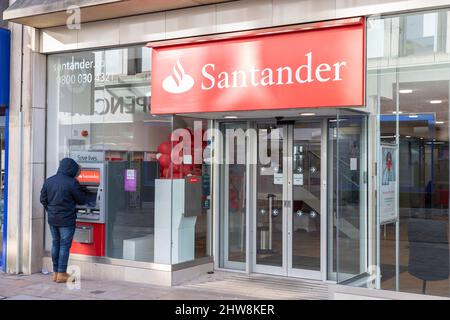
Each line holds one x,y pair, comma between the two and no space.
412,102
423,33
99,114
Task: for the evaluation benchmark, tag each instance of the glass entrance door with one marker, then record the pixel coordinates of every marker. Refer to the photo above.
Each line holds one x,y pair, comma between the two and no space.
305,213
288,199
270,199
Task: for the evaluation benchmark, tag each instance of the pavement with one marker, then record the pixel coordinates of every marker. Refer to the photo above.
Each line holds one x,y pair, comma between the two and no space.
217,286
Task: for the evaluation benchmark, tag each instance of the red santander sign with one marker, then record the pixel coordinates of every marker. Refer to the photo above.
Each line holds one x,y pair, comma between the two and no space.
302,69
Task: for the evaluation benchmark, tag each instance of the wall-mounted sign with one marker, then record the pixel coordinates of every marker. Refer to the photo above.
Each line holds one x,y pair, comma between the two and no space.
387,184
311,68
87,156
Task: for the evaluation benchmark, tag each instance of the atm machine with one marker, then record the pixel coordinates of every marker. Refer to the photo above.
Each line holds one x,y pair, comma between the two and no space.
178,202
89,238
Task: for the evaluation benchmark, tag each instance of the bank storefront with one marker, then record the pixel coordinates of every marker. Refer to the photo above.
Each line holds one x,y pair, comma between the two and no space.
316,150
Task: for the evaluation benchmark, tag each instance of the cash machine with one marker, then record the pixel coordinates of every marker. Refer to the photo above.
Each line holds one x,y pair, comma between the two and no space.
89,238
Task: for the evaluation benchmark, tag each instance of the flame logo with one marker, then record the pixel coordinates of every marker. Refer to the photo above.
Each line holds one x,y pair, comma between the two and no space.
179,81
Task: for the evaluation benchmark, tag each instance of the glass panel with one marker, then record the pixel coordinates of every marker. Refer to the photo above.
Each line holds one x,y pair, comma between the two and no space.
351,164
98,105
421,131
332,180
191,189
411,96
233,197
306,170
422,33
269,203
347,192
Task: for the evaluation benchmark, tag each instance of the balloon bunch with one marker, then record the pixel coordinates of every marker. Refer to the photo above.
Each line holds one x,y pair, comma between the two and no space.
177,162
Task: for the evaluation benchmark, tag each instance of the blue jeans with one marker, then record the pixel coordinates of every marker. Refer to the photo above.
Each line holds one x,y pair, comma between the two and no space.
62,241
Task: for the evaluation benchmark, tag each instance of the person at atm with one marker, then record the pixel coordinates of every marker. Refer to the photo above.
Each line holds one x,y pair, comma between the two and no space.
59,195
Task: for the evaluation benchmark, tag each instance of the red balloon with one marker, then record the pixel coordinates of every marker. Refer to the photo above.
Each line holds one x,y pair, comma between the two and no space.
164,147
177,168
166,173
234,205
233,194
164,161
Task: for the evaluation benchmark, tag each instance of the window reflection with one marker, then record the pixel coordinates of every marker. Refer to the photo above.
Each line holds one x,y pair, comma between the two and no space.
99,103
411,95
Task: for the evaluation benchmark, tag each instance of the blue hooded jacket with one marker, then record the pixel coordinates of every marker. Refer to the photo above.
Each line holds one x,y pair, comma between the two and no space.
61,193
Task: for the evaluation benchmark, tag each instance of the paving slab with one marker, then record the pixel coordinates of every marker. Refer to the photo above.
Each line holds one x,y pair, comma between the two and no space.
217,286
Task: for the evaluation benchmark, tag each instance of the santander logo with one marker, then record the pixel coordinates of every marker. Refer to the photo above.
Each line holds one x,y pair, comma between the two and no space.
178,81
305,72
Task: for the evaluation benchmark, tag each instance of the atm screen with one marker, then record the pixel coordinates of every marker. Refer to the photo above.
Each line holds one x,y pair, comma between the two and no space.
89,176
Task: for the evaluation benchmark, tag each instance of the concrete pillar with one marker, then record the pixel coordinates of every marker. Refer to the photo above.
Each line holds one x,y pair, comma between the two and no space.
26,152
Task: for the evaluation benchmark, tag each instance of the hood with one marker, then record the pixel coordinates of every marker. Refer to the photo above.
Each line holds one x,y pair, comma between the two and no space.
68,167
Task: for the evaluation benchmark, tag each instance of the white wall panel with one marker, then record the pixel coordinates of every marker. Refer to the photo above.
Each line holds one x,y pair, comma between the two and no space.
351,8
298,11
98,34
218,18
190,22
58,39
243,15
142,28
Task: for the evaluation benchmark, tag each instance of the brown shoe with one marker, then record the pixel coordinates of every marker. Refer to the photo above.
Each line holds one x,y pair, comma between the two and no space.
62,277
54,276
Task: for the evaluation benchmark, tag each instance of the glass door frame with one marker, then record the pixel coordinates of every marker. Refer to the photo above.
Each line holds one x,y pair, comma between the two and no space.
287,269
327,239
304,273
224,172
259,268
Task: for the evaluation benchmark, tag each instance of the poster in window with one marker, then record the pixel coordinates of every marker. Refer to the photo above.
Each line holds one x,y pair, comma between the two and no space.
130,180
388,196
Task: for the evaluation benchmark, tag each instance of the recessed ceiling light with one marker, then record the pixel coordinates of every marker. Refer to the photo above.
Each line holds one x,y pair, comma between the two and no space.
435,101
395,112
231,117
405,91
439,122
413,116
307,114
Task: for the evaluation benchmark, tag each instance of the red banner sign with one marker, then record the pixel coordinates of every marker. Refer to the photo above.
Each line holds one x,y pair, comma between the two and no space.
302,69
